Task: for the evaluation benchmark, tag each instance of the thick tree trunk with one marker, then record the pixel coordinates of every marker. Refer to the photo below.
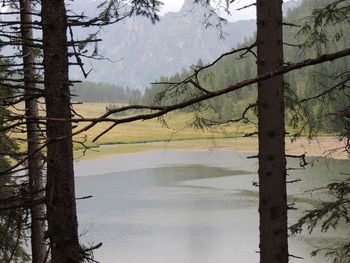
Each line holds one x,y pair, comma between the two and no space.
35,160
60,192
272,163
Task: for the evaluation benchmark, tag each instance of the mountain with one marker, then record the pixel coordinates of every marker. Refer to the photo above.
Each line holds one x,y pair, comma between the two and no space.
142,51
291,4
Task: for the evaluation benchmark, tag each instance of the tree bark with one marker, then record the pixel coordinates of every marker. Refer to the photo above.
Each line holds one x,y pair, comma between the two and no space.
35,159
272,162
60,191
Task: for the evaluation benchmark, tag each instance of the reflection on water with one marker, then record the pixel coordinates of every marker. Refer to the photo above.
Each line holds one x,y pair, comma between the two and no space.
172,206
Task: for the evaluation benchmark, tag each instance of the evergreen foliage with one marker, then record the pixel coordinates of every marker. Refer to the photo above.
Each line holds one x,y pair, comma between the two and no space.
327,106
328,215
12,221
312,115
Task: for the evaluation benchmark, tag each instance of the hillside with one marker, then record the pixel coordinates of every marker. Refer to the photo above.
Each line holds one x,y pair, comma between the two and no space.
312,115
144,51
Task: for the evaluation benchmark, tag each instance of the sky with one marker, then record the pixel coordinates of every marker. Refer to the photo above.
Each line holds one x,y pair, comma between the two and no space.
175,5
249,13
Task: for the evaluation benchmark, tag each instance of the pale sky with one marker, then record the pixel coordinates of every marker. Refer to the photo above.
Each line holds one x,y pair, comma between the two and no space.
249,13
175,5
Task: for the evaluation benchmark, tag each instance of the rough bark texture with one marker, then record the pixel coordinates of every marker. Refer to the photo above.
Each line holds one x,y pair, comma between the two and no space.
272,163
60,192
35,160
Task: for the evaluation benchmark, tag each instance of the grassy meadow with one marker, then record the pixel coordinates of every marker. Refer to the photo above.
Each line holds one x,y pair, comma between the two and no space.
176,128
136,136
131,137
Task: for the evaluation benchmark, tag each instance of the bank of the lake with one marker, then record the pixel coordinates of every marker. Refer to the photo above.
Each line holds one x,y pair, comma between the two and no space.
321,146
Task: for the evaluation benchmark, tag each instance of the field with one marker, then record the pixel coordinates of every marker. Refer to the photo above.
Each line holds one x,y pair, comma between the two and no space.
154,135
151,130
136,137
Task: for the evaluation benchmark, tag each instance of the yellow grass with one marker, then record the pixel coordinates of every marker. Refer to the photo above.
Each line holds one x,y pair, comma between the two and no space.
219,144
178,136
150,130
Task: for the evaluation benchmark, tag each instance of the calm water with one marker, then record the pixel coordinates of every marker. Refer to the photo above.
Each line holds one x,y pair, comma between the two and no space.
182,207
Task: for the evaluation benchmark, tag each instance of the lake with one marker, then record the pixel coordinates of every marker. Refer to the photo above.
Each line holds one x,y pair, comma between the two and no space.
186,206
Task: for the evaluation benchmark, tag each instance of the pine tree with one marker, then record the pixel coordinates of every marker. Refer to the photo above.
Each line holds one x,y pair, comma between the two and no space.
272,163
35,158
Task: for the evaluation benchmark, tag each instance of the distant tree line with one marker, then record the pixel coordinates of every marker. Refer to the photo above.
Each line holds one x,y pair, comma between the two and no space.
101,92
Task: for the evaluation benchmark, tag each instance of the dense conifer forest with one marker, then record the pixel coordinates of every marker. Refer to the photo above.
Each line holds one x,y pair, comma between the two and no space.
300,85
102,92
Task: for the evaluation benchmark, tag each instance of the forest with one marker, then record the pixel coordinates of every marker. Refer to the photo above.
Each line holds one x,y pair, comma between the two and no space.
291,80
302,84
102,92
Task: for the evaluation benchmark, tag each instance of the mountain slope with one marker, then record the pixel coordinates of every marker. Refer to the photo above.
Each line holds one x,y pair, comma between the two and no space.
144,51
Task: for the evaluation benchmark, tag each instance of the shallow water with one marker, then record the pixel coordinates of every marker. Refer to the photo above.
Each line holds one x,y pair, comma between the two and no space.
177,206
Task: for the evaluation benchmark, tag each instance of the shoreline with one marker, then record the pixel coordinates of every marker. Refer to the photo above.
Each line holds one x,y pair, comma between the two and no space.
321,146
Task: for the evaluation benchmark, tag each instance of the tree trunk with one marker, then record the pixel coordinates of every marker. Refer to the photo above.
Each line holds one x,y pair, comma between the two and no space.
272,162
60,192
35,160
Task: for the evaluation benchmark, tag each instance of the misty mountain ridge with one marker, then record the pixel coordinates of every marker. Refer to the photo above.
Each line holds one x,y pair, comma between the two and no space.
142,51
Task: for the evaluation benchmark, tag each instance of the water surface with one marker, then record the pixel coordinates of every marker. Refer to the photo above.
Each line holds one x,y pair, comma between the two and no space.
180,206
